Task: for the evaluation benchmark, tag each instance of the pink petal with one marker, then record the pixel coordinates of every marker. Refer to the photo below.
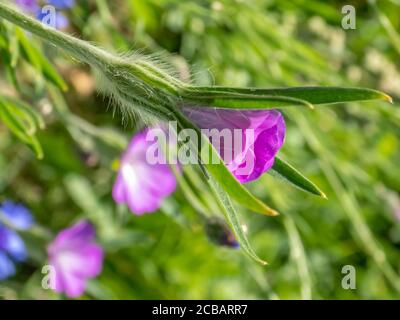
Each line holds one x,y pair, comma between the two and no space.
142,186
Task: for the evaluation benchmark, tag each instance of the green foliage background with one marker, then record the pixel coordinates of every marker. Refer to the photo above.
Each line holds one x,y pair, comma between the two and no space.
351,151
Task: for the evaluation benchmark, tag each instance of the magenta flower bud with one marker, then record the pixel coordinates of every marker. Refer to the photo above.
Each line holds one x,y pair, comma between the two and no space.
75,258
140,184
257,137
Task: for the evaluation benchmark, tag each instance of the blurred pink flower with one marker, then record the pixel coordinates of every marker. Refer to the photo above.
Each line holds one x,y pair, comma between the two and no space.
141,185
397,213
262,134
28,5
75,258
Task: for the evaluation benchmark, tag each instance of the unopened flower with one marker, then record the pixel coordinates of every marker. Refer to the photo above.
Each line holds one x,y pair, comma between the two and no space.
219,233
75,257
12,247
262,135
141,185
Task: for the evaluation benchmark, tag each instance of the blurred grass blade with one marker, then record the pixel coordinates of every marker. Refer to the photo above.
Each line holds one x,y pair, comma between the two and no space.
318,8
9,119
393,35
23,108
231,216
282,169
299,256
28,50
36,58
305,95
9,54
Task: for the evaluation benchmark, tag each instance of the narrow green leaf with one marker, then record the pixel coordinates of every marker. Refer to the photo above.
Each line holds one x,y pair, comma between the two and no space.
3,36
13,48
238,192
311,95
236,100
282,169
231,216
22,122
28,50
9,53
28,110
12,123
10,71
36,147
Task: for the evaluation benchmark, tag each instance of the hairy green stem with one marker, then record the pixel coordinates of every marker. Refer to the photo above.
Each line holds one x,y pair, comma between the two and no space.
88,53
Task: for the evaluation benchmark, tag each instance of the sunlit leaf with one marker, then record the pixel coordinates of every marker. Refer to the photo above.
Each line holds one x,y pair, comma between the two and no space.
285,171
303,95
231,216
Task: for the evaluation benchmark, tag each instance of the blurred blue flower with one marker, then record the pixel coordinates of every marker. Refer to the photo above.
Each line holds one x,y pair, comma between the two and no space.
62,4
61,21
12,247
17,215
7,268
12,244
